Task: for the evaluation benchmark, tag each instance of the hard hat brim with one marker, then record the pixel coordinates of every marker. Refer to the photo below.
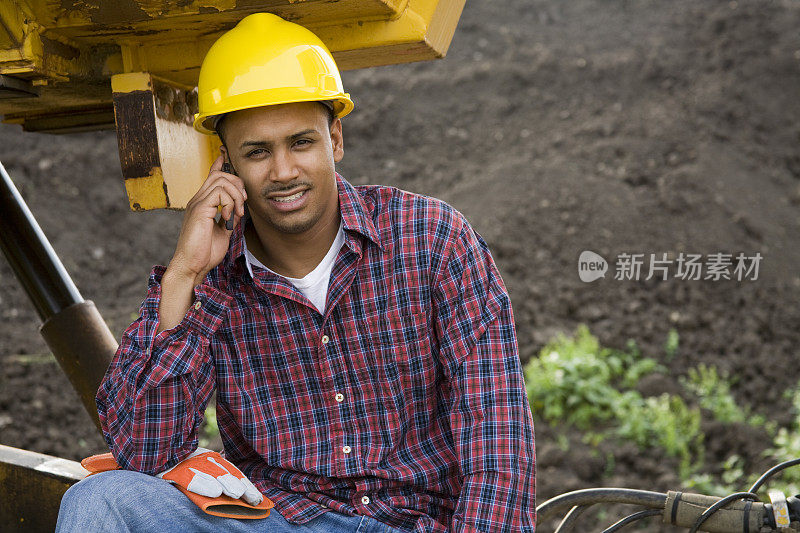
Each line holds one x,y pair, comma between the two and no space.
205,123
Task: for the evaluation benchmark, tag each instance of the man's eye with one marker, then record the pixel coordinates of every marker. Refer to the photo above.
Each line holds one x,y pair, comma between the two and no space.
257,151
302,142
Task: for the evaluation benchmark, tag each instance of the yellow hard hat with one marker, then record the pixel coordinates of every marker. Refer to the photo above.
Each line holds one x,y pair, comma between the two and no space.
266,60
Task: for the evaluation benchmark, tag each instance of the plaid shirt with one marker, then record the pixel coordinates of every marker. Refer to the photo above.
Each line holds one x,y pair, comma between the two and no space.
405,401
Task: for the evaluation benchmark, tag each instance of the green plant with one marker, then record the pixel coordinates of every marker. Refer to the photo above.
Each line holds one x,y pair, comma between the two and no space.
209,430
578,382
611,464
713,391
562,441
671,346
575,380
31,358
732,480
786,446
665,422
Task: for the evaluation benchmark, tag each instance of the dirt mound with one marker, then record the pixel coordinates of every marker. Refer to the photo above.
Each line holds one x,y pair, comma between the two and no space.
556,127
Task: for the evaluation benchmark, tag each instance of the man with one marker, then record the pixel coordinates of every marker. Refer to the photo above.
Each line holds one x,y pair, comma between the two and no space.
360,340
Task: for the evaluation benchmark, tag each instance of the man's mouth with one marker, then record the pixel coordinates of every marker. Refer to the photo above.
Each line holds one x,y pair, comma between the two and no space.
289,198
289,202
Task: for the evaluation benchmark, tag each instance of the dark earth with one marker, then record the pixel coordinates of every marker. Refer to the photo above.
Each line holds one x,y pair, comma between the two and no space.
555,127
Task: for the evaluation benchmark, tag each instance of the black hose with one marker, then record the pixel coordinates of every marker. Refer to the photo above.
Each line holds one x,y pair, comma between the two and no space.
572,516
719,505
771,472
632,518
645,498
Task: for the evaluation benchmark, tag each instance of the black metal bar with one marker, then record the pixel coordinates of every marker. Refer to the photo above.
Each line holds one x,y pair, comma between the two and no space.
32,258
11,87
561,503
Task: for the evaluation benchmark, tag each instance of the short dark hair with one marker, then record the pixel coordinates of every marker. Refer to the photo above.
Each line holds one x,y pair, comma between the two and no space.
218,127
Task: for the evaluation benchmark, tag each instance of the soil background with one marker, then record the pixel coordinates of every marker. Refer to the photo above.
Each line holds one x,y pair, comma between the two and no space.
555,127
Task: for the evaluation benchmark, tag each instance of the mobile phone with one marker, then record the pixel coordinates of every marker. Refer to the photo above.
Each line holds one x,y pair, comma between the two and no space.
227,167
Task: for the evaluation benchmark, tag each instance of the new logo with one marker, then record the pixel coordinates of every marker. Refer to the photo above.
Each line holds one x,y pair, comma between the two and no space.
591,266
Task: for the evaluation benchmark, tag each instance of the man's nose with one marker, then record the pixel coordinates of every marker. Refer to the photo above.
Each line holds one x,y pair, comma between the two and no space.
284,167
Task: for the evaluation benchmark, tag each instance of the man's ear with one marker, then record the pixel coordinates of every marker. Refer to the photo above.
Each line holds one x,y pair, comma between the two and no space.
337,141
227,166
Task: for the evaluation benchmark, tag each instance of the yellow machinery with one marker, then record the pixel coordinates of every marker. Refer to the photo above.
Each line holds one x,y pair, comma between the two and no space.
72,65
77,65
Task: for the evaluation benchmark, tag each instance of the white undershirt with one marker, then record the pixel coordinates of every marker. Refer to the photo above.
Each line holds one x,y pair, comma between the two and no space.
313,285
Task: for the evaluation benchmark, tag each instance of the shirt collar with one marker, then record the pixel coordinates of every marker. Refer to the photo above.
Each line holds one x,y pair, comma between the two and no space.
355,214
251,260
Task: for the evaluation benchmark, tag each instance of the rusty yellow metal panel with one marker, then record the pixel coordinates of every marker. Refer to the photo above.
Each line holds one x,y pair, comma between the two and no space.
95,20
147,192
20,47
413,30
184,175
12,25
68,49
58,58
164,160
421,31
64,81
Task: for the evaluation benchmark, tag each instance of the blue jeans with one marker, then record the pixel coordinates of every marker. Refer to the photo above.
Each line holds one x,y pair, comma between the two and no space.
121,500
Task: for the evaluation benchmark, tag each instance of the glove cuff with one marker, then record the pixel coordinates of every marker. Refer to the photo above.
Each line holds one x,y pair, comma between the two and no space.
227,507
100,463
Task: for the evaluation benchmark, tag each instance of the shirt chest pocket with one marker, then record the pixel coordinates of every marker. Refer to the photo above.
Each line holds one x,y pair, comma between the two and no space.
407,365
401,392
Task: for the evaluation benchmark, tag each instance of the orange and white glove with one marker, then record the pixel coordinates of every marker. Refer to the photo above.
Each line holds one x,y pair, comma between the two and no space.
210,481
209,474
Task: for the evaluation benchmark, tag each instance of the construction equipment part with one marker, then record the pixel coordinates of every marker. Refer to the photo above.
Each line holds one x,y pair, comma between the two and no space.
73,65
73,328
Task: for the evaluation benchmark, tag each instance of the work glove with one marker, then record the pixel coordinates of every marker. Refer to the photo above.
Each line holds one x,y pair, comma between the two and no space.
209,474
210,481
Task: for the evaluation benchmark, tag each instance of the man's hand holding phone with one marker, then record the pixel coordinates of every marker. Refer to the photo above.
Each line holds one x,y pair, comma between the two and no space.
203,241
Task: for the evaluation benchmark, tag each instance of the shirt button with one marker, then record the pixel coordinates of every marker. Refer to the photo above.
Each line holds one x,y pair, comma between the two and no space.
347,449
365,500
339,397
197,304
325,339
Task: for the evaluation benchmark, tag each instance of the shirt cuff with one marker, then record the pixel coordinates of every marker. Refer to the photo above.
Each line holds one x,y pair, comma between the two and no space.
204,316
494,501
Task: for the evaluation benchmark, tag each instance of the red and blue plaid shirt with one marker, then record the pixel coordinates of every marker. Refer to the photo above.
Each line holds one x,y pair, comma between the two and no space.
404,401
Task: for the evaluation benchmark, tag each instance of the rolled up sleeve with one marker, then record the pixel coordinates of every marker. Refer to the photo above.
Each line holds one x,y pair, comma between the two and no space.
152,398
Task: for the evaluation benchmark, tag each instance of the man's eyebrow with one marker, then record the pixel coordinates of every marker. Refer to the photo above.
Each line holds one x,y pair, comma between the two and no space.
268,144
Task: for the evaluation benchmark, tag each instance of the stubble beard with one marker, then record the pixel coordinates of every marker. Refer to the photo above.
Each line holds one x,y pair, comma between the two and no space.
293,228
284,224
289,223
